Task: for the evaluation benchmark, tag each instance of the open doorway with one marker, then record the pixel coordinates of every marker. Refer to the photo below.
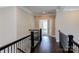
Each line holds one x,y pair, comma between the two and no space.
44,24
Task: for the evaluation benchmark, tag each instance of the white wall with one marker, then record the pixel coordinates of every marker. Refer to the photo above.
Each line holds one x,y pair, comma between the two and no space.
68,23
7,25
52,27
57,24
14,24
25,21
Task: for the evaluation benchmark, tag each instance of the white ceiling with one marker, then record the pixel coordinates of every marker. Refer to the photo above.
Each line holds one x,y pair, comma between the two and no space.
46,10
38,10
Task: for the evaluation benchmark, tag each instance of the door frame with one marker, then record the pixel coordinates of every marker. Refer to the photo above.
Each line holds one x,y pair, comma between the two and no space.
47,25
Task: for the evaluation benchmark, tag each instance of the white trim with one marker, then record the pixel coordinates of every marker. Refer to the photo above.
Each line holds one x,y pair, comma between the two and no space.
4,6
44,15
70,8
26,10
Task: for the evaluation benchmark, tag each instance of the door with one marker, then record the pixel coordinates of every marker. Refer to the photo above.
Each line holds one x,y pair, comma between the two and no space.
44,25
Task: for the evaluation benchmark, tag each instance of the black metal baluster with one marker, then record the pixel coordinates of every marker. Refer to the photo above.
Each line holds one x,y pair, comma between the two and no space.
40,35
17,46
23,44
8,49
4,50
20,44
11,48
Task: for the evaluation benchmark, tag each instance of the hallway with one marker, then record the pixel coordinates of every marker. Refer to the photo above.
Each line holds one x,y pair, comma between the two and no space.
17,22
48,45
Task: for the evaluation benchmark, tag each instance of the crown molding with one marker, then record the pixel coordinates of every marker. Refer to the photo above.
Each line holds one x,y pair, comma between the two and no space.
44,15
4,6
70,8
26,10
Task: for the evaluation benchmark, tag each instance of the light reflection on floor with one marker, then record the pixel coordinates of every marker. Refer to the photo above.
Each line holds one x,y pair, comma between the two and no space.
45,44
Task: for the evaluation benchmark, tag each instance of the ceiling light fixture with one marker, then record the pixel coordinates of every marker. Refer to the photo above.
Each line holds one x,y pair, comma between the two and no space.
44,12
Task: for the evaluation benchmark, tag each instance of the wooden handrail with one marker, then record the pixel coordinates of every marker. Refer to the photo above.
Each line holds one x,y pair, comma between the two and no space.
77,44
32,38
18,43
70,42
5,46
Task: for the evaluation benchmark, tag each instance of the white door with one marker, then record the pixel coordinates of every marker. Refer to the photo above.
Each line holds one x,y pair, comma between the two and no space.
44,26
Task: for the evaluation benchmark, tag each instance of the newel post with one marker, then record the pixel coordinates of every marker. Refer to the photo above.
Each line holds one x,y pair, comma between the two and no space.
70,49
40,35
32,41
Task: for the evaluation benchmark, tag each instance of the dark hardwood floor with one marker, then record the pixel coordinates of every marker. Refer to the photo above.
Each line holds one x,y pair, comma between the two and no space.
48,45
